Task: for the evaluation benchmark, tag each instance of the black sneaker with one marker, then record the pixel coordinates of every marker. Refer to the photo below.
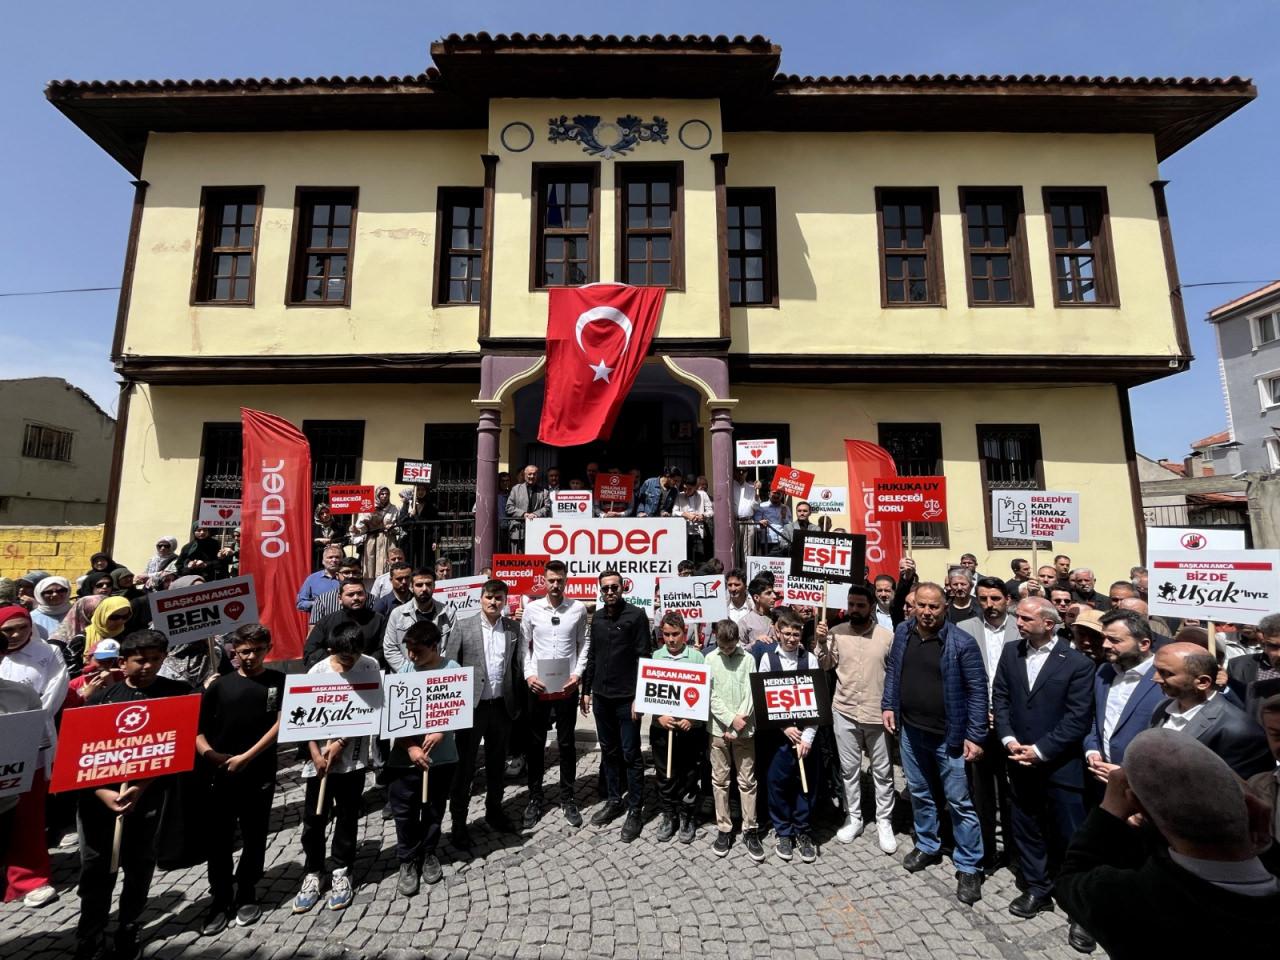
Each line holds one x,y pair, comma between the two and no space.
431,871
407,882
94,948
499,822
215,921
755,849
631,826
609,811
724,840
969,888
666,829
533,813
126,945
570,809
783,847
806,848
688,829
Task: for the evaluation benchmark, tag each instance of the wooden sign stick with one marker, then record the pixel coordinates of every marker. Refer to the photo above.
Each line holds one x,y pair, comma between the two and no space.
118,836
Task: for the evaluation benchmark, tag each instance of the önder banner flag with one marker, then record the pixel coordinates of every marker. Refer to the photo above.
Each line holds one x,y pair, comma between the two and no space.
275,535
597,338
866,462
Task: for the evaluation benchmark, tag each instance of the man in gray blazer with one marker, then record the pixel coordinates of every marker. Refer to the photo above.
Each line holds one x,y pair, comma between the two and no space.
525,501
490,643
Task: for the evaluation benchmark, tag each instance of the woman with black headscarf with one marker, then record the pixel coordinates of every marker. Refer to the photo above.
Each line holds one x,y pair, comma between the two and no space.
202,556
102,563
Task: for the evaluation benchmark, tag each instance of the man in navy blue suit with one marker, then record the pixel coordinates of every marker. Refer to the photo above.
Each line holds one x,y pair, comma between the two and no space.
1124,693
1042,699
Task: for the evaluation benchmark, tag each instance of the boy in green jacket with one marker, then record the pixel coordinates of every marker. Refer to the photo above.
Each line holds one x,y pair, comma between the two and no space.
732,738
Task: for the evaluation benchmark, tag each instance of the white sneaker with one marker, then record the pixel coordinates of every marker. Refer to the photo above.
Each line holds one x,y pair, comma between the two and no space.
888,842
40,896
851,830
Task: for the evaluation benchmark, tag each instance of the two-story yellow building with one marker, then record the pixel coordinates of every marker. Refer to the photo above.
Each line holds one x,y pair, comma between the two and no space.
970,271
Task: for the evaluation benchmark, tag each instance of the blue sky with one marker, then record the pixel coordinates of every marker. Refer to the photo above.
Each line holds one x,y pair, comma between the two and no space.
69,203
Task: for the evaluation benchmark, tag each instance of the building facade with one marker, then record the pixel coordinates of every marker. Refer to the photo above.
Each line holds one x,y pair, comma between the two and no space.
1248,335
963,269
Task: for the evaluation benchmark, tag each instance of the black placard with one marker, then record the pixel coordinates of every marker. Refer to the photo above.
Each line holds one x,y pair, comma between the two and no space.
790,697
833,557
416,467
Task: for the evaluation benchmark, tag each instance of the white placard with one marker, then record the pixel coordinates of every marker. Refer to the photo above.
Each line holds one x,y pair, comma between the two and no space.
205,610
673,688
571,503
1225,586
829,499
1035,515
554,672
461,593
324,706
639,592
21,737
217,513
697,599
428,701
634,546
1194,539
756,453
804,592
778,566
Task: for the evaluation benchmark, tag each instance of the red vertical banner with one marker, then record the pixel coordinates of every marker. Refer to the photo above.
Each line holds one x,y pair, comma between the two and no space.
275,531
866,462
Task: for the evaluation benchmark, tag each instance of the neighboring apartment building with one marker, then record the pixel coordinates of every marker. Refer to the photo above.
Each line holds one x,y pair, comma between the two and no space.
1248,331
945,265
56,459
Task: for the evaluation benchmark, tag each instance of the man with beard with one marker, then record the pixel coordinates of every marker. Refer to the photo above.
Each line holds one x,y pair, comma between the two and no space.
327,603
1123,694
421,607
1082,581
354,609
1244,672
399,592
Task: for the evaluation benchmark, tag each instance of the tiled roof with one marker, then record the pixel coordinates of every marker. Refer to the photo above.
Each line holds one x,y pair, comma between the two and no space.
1008,79
245,83
1252,296
654,41
1212,440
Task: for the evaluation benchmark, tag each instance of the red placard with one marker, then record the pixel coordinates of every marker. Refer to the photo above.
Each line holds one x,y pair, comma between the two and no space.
130,741
792,482
351,499
614,488
915,499
521,572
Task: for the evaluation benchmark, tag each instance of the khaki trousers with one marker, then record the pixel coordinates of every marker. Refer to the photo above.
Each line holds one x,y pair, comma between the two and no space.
725,757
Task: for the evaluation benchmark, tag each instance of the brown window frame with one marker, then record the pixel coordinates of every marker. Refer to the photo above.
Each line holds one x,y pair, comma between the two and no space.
537,248
41,441
932,250
207,225
766,199
925,535
446,199
1033,429
1010,198
626,174
1104,274
304,198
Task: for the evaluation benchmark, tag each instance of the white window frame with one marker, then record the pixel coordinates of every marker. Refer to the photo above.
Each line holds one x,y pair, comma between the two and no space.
1272,446
1268,397
1255,324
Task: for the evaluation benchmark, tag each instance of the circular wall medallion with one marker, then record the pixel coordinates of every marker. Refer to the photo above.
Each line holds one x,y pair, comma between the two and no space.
695,134
517,136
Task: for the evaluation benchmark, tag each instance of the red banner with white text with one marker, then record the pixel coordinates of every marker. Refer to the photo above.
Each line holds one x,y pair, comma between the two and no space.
866,462
275,531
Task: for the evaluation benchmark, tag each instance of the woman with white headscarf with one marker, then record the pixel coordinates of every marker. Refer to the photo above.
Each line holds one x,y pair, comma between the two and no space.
165,558
53,600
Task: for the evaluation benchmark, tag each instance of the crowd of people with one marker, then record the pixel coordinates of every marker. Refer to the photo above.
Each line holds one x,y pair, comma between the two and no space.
1118,763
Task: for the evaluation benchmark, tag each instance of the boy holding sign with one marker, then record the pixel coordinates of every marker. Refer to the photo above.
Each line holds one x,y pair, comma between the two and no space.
732,738
677,783
418,806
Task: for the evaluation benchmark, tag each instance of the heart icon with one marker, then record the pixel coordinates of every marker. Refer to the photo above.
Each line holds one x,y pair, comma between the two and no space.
756,453
225,512
234,609
582,508
691,695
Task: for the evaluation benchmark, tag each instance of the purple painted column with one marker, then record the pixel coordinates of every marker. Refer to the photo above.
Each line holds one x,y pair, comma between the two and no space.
486,534
722,479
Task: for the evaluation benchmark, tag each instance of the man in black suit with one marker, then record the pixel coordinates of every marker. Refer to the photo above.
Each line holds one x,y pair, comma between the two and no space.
1042,699
1263,665
490,643
1207,895
1187,674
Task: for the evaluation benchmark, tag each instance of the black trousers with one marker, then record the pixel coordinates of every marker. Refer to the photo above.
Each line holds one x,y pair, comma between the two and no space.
6,831
678,789
243,799
418,823
493,726
97,826
620,756
1045,815
541,715
342,801
989,788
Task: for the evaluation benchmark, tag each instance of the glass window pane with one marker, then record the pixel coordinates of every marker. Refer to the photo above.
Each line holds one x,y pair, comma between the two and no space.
577,275
1079,237
735,291
915,266
337,266
342,215
918,290
755,268
319,237
734,214
636,217
754,215
1064,289
915,237
242,289
914,214
227,237
554,248
892,238
998,237
320,215
1000,268
976,236
892,215
893,266
661,274
1003,291
341,237
755,291
224,267
1059,237
578,193
1085,267
981,289
578,218
246,236
973,212
660,191
578,248
978,266
229,212
895,290
315,266
995,213
735,239
661,248
458,267
735,268
637,248
337,288
553,275
636,273
661,217
754,239
457,291
1077,215
1062,266
1058,214
221,289
315,289
461,216
635,193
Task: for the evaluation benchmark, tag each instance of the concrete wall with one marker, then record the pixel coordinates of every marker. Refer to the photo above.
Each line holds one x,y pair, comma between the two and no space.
63,551
1243,365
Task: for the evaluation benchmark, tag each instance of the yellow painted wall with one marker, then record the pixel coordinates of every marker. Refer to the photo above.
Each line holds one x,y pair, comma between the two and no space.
62,551
160,478
1089,461
398,174
829,269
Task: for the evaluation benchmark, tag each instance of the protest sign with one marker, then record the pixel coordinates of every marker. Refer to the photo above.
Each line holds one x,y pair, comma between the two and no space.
1036,515
756,453
634,546
697,599
351,498
461,593
778,566
829,499
1225,586
1194,538
586,589
614,488
185,614
793,482
130,741
673,688
911,499
640,592
218,513
411,471
789,697
523,573
806,592
324,706
21,737
833,557
427,701
571,503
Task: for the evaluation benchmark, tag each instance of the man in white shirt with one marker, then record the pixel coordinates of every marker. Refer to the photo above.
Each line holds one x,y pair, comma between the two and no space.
553,631
695,507
743,494
382,585
884,588
1124,696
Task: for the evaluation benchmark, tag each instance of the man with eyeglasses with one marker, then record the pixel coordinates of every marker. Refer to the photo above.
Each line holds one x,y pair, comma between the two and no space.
1243,673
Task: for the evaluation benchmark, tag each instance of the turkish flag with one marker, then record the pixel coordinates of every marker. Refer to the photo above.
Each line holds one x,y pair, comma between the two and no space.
275,531
597,337
866,462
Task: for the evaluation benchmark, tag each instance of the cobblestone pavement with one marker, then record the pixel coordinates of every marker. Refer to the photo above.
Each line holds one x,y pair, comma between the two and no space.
559,893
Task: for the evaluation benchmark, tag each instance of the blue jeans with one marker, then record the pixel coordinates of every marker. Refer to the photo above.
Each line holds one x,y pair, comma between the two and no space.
619,737
929,766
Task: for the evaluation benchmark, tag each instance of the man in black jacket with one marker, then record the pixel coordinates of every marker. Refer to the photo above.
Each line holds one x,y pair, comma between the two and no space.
619,639
354,608
1263,665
